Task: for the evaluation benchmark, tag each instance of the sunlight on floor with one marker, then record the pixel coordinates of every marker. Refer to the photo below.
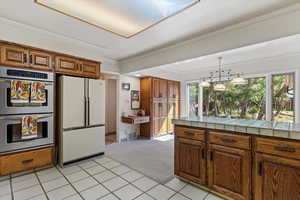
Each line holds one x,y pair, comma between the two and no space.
165,138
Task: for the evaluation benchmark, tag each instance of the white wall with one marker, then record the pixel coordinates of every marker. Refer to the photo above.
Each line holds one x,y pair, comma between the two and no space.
272,26
111,106
125,105
19,33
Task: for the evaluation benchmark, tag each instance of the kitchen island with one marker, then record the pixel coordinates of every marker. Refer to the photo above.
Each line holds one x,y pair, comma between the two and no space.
239,159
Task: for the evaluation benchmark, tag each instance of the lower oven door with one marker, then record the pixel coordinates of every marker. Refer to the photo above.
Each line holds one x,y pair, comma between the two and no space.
11,137
8,108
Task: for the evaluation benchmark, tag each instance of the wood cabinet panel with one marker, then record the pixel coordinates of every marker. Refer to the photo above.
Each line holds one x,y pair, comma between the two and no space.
40,60
190,133
14,56
155,88
229,171
25,160
190,160
90,69
286,149
276,178
67,65
231,140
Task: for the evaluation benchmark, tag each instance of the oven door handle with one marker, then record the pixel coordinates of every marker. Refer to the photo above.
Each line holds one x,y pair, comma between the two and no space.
20,118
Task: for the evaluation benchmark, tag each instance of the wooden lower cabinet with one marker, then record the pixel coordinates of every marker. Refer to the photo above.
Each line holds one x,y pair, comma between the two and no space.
17,162
276,178
229,171
190,161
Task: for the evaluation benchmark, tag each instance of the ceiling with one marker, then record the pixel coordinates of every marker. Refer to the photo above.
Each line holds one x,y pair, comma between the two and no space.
278,55
115,16
204,17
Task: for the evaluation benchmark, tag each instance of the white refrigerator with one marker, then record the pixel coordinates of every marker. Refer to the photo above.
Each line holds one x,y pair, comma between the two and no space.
81,118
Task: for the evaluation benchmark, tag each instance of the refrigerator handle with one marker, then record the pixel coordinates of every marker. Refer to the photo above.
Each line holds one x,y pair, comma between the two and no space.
88,111
85,110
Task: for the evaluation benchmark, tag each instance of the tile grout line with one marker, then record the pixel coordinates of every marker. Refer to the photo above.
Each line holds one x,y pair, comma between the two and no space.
11,188
41,185
69,184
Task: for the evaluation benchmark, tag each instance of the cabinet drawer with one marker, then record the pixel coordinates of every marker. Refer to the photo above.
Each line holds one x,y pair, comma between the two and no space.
190,133
231,140
25,160
277,147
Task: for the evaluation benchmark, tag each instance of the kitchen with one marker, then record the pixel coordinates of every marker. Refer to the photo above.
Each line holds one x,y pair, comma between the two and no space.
102,101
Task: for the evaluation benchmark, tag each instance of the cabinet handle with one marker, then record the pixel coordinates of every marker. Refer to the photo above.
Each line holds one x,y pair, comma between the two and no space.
228,140
260,169
189,133
27,161
285,149
24,58
211,156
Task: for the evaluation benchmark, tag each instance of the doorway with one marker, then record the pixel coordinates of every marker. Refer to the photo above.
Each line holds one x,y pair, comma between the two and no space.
111,111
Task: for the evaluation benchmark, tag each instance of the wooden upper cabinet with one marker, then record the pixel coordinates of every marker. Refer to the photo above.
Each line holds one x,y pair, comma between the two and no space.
15,56
190,161
173,90
163,88
67,65
155,88
229,171
40,60
90,69
276,178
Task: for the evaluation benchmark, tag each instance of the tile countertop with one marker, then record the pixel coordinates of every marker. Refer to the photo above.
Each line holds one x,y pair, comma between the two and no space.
255,127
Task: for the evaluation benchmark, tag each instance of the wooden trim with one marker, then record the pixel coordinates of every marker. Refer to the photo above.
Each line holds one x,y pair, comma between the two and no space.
105,29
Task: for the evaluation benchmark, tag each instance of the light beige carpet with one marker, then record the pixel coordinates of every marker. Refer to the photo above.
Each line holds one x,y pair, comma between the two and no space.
154,158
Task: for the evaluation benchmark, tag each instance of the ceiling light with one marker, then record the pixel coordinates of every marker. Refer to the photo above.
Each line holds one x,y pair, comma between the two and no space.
123,18
204,84
239,81
220,87
138,75
222,75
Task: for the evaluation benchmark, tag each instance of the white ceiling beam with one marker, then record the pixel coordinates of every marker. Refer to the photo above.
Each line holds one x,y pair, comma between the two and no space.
281,23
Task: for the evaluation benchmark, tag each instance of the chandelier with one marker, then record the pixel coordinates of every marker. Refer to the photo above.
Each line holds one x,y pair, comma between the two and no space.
220,76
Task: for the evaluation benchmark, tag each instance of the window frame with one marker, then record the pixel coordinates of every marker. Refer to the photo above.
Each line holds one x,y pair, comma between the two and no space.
269,93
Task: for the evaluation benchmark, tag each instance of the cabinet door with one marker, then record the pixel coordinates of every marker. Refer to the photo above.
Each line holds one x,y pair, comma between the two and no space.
276,178
176,90
90,69
14,56
190,161
171,85
67,65
155,88
229,171
163,126
156,127
163,88
40,60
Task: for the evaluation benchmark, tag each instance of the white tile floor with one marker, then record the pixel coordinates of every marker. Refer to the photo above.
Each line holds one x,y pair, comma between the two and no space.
100,178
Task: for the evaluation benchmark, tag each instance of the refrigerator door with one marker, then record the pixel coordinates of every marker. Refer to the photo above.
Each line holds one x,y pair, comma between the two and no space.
96,102
82,143
73,102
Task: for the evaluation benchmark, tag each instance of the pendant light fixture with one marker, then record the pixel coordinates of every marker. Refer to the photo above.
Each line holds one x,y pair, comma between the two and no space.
220,76
220,86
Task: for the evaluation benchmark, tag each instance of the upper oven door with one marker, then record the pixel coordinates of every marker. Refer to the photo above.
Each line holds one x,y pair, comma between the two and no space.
8,108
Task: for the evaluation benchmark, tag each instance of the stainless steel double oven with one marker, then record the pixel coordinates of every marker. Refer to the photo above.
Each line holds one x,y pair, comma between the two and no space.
11,114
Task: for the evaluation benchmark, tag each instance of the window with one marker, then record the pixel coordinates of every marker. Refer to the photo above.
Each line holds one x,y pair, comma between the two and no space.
283,97
193,92
238,101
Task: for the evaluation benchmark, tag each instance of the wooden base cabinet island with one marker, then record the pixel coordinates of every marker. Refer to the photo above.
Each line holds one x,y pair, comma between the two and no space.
237,161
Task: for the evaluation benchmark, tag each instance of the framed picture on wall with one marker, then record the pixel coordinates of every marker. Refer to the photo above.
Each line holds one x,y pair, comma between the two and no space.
126,86
135,99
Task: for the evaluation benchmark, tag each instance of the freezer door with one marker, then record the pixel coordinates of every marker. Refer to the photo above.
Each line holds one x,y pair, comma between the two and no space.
73,102
82,143
96,102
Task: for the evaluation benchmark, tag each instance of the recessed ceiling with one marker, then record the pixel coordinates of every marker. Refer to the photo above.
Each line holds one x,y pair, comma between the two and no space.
123,18
202,18
274,56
